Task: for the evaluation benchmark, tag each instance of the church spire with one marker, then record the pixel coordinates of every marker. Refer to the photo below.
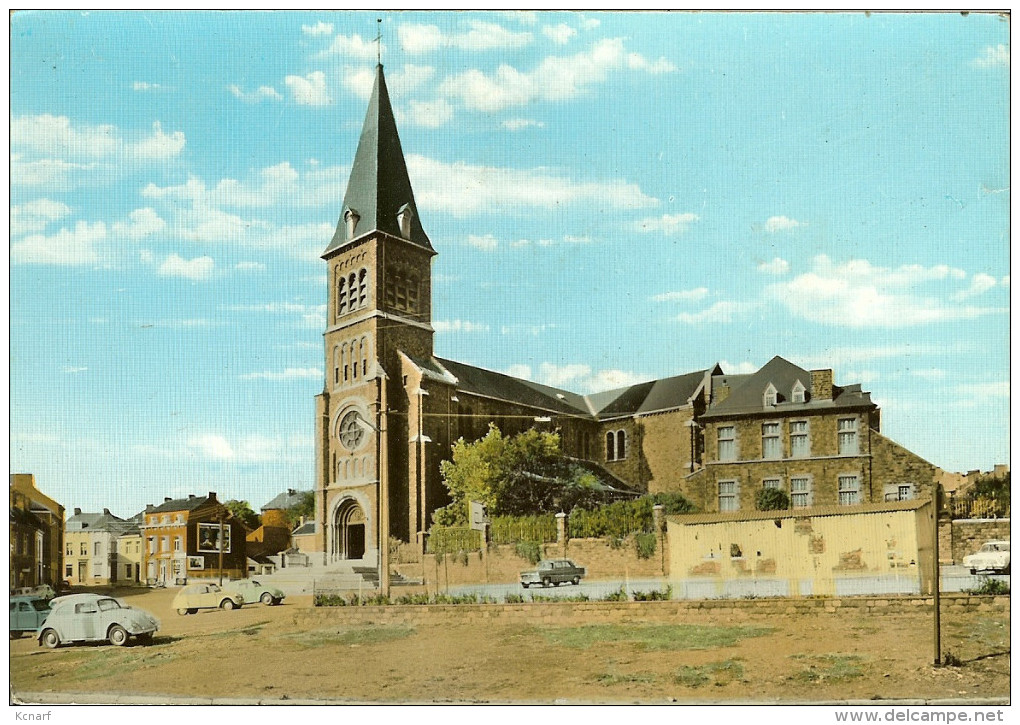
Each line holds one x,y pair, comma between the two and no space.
379,195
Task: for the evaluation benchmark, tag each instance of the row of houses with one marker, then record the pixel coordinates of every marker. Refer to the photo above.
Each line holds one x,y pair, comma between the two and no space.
169,543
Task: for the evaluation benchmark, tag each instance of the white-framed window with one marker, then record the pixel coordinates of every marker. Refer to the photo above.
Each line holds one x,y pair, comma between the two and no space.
83,550
848,437
800,442
727,437
799,392
69,549
729,496
164,543
800,491
97,548
151,544
177,543
771,444
904,492
770,397
849,490
776,483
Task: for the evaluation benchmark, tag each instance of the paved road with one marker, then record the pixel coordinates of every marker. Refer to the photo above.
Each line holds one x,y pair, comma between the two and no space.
954,579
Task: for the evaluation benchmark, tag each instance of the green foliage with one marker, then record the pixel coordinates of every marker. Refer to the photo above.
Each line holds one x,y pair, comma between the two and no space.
512,529
242,511
656,595
718,672
618,520
514,598
530,550
949,659
830,668
771,499
989,586
651,636
646,544
566,598
304,507
620,595
456,541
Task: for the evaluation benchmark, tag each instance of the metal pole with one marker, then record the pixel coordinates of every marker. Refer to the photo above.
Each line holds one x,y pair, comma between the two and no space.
220,545
935,504
384,492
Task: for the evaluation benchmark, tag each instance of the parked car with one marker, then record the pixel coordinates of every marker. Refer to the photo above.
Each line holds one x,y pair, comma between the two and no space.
204,596
27,613
93,618
255,591
553,571
43,591
992,556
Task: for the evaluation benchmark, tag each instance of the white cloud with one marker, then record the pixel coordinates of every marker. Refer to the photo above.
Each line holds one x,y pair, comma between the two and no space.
408,79
687,295
320,28
519,371
979,284
858,294
721,312
861,376
444,326
906,353
636,61
310,90
742,368
519,124
487,242
57,138
983,391
479,36
141,223
354,47
157,146
262,93
143,86
556,78
360,82
581,378
36,215
287,374
780,223
777,267
52,174
66,247
1005,281
667,224
70,370
992,57
196,269
559,34
462,189
430,114
250,267
525,17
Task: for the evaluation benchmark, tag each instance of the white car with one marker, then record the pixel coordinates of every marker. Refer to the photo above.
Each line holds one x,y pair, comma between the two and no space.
93,618
992,556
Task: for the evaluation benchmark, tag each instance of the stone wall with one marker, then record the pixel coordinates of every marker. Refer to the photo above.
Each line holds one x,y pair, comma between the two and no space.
707,611
961,537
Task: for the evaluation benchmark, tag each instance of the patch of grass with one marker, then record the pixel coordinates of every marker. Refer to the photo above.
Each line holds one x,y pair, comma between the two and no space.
249,629
989,586
566,598
352,636
613,678
829,668
719,673
651,636
103,663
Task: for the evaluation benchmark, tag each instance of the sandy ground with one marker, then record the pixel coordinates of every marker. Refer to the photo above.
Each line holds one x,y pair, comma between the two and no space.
264,652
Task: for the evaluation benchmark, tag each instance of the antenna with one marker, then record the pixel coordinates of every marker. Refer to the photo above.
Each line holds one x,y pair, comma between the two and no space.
378,42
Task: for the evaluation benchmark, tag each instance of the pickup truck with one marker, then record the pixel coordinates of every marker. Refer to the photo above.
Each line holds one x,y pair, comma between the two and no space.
553,571
992,556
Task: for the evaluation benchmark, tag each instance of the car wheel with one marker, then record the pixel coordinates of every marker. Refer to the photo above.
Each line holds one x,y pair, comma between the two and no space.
193,610
525,585
182,612
227,604
117,635
16,635
267,598
575,581
973,572
556,584
145,638
545,582
276,602
51,639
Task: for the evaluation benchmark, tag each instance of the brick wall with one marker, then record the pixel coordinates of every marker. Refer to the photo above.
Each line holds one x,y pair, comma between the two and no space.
892,465
961,537
708,611
666,439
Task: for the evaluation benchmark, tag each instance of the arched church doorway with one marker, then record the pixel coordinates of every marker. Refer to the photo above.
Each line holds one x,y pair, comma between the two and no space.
349,531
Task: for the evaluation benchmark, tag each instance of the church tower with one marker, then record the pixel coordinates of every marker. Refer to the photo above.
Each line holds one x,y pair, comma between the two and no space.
379,310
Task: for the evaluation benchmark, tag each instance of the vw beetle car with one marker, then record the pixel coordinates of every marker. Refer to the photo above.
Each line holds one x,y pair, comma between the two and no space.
204,596
255,591
27,613
94,618
553,571
992,556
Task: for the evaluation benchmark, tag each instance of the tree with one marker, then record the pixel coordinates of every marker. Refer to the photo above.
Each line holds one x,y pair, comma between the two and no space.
771,499
242,511
304,507
517,476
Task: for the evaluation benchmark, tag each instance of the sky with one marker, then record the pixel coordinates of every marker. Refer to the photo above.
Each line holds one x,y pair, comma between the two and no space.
614,197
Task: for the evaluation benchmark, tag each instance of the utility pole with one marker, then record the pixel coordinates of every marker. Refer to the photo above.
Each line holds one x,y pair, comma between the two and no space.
936,505
219,545
384,490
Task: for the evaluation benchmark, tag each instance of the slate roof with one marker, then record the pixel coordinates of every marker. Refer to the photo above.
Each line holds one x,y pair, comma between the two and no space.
650,397
379,186
747,392
489,383
104,521
285,500
307,528
179,504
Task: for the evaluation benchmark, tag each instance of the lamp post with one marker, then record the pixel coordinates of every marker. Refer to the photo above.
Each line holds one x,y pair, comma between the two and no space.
219,545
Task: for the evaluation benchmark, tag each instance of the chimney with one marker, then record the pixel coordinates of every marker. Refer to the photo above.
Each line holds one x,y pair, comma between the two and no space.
106,512
291,491
167,499
720,391
212,495
821,384
149,507
77,511
191,496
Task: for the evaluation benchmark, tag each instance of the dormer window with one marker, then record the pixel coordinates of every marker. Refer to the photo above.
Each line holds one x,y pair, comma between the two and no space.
351,219
771,397
799,392
404,220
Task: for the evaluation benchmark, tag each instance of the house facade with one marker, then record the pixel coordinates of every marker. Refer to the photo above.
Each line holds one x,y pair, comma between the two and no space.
92,549
390,408
36,534
182,541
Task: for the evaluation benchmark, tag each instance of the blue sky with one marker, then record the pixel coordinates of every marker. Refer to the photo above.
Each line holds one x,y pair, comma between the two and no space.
613,197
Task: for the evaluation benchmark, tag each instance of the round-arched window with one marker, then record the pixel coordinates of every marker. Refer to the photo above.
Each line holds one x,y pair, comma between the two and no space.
351,431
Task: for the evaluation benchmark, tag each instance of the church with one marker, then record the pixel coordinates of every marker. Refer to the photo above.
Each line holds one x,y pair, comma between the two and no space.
390,409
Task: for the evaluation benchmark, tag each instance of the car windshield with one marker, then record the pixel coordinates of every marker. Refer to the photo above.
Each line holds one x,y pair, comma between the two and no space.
40,605
991,547
106,605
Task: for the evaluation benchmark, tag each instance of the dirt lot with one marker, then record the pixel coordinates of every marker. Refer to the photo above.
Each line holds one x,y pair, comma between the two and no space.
263,652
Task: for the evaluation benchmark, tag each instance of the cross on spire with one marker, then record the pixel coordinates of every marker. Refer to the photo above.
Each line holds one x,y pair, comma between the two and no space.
378,42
